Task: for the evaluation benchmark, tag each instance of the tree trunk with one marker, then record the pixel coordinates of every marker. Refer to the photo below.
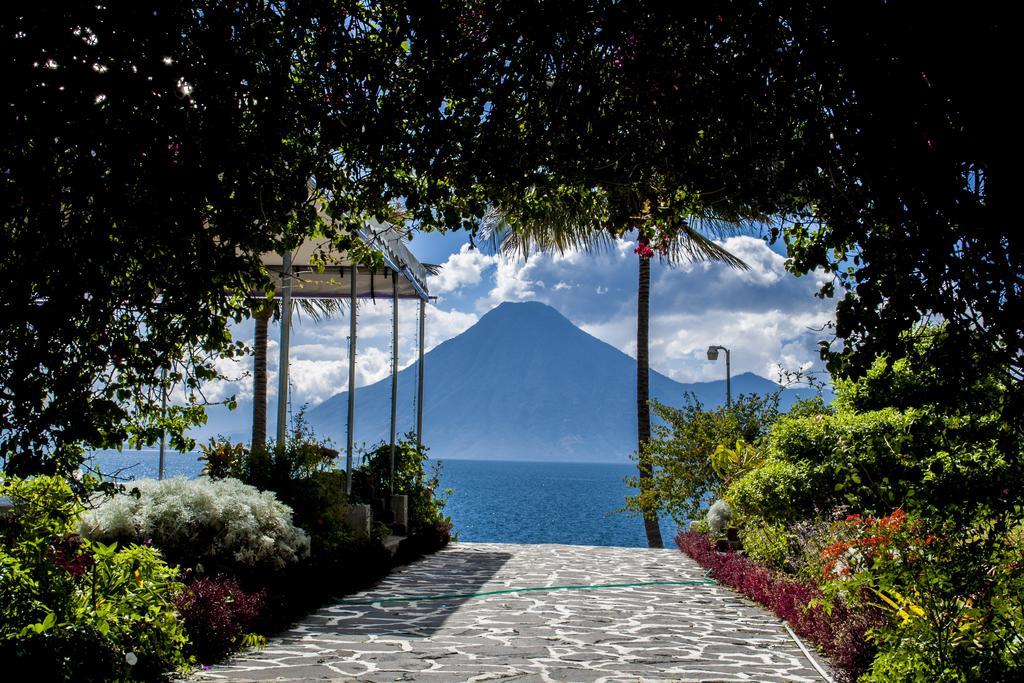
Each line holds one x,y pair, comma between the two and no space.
643,408
259,380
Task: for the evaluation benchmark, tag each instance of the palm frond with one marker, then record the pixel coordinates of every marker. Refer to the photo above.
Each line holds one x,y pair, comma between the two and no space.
559,228
692,244
318,310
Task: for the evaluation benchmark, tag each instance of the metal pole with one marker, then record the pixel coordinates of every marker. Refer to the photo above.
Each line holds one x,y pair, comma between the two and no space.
419,383
353,274
163,416
728,380
394,379
282,365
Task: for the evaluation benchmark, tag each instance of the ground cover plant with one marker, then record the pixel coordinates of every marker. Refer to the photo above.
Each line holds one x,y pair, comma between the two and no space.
220,616
840,631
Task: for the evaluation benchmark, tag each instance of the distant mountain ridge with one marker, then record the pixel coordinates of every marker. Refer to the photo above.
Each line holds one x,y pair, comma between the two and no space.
523,383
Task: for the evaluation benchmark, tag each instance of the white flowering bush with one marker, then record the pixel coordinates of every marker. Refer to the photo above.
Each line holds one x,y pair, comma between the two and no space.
209,525
718,516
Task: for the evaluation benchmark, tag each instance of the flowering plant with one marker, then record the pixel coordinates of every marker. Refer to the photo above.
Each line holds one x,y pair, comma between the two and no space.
862,540
952,593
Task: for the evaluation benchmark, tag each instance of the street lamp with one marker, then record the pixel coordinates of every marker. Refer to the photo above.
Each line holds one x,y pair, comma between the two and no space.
713,355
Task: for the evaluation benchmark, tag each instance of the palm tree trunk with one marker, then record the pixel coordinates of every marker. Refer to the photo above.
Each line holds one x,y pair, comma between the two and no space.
259,380
643,408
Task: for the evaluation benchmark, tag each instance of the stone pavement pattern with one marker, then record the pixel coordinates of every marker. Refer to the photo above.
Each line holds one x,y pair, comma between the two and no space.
648,633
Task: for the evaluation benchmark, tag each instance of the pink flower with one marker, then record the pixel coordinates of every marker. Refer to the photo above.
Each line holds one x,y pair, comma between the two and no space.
644,250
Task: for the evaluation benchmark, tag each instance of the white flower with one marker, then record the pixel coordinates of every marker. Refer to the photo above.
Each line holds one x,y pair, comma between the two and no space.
131,659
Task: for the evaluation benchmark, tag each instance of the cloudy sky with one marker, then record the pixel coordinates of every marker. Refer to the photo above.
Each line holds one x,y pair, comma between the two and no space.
766,316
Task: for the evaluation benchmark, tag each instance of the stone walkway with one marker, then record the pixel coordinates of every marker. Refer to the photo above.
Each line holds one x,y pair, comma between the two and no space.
647,633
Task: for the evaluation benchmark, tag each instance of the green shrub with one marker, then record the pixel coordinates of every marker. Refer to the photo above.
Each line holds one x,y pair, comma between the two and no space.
221,458
271,469
426,503
768,544
731,462
879,460
318,501
218,526
896,438
777,491
72,609
793,548
685,477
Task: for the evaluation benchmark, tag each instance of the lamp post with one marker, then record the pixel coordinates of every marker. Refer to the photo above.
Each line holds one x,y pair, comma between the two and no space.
713,355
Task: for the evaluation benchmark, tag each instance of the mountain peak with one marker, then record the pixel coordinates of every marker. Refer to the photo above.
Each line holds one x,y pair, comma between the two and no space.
523,383
524,310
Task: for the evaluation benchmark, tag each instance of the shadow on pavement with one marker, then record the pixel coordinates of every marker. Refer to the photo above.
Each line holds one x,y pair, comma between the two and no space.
455,571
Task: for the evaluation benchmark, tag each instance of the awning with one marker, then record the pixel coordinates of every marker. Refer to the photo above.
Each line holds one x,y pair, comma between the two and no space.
331,279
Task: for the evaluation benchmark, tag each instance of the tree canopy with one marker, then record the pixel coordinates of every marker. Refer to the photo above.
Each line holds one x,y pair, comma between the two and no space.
151,153
910,206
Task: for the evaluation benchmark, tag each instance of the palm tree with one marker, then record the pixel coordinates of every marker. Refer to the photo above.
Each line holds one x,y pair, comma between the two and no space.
562,229
317,310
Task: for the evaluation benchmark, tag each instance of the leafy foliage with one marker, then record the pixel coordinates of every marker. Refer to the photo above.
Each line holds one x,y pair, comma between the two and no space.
426,502
911,210
143,178
730,463
682,451
931,467
218,614
889,443
73,609
222,458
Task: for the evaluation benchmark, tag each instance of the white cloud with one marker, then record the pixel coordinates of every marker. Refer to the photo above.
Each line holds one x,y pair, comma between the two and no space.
442,325
512,281
765,316
466,267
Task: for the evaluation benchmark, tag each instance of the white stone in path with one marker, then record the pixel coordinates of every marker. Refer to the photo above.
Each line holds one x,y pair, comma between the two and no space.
640,633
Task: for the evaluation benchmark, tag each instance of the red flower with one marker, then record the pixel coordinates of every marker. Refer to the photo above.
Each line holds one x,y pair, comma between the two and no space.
644,250
66,555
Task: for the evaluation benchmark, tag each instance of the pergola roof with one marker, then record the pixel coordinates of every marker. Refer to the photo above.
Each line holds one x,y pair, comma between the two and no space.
331,280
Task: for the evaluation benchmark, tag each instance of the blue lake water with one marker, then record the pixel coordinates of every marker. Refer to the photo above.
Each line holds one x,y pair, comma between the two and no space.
493,501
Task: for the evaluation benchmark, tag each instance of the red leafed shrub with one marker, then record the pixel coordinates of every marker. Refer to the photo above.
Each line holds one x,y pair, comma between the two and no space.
217,612
840,633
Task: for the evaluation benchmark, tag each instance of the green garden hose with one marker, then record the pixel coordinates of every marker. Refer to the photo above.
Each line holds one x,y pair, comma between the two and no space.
706,581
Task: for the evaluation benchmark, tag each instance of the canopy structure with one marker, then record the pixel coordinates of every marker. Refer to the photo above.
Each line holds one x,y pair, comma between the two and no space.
319,272
315,270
